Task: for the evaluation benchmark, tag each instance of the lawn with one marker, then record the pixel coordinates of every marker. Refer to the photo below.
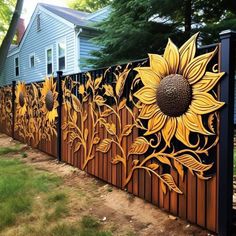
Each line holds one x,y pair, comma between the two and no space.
33,204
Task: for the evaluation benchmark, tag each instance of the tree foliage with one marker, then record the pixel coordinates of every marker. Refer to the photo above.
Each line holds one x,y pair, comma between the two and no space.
137,27
6,11
88,5
6,43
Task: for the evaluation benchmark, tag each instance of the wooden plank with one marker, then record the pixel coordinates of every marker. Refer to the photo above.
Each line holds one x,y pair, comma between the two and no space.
130,158
119,165
101,158
109,158
113,154
124,120
211,204
192,198
135,178
183,197
155,190
173,195
141,183
201,202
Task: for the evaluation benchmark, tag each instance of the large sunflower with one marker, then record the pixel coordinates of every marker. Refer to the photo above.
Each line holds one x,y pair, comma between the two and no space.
49,99
175,93
21,95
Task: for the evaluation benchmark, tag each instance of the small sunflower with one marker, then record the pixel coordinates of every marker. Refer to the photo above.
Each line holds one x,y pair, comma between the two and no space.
21,95
49,99
176,90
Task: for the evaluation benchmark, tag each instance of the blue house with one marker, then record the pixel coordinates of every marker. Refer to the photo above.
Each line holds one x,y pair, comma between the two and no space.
56,38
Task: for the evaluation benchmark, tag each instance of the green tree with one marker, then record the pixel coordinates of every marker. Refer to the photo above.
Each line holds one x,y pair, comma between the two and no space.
138,27
88,5
6,11
6,43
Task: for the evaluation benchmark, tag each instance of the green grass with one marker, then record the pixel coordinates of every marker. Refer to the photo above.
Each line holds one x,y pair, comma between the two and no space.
6,150
18,186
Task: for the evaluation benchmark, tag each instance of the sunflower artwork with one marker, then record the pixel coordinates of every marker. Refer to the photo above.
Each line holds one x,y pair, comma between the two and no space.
171,110
177,94
6,108
36,111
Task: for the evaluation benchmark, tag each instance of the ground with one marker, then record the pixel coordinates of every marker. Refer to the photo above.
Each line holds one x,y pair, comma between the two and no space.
59,200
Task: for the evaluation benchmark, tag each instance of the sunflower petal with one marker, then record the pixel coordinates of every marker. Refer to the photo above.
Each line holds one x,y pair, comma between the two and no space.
146,95
194,123
182,133
148,77
156,123
195,70
187,52
171,55
169,129
159,65
208,82
148,111
204,103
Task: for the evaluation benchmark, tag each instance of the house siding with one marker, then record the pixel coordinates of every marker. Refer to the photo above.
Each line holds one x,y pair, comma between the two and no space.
51,32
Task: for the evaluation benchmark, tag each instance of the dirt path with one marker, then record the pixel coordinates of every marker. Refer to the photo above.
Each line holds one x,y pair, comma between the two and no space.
120,212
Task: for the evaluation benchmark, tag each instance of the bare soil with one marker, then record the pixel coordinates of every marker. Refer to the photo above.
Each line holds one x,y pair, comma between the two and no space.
119,211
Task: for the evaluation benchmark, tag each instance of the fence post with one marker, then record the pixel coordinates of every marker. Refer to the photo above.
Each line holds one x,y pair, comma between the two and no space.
13,108
59,90
225,163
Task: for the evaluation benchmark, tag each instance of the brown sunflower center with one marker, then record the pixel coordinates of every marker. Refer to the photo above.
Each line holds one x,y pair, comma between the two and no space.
174,95
49,101
21,99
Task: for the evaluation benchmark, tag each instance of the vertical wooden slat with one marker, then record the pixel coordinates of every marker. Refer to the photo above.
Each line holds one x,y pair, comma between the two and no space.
201,202
191,200
173,195
183,198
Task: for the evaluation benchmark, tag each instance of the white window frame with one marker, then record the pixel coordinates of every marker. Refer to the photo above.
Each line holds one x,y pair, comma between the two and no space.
31,55
46,59
17,56
57,53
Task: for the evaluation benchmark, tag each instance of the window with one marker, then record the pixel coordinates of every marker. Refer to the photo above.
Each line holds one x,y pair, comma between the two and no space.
17,66
61,52
49,60
31,60
38,22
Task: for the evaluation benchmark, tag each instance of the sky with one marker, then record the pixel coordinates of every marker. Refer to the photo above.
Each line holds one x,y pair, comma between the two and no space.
29,6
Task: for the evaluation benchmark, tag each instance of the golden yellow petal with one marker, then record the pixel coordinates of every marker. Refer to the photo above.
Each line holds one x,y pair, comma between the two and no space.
208,82
204,103
156,123
168,131
182,133
171,55
159,65
195,70
194,123
187,52
148,111
146,95
148,77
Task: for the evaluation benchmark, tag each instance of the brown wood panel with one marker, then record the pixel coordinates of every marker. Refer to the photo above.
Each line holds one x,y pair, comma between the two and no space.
192,198
211,204
135,178
113,154
173,195
148,185
141,183
183,197
130,158
201,202
119,165
100,155
124,121
155,190
109,157
161,194
104,158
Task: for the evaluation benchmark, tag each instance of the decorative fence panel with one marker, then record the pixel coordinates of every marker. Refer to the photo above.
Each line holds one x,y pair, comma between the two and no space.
151,127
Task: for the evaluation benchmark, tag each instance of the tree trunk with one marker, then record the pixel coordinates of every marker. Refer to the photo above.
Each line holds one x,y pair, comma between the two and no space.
6,43
187,17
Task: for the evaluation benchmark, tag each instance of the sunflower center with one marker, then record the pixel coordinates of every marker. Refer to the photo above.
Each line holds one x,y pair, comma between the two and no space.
174,95
49,101
21,99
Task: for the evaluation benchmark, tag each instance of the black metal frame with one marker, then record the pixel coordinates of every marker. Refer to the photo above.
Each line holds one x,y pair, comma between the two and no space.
60,99
225,163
